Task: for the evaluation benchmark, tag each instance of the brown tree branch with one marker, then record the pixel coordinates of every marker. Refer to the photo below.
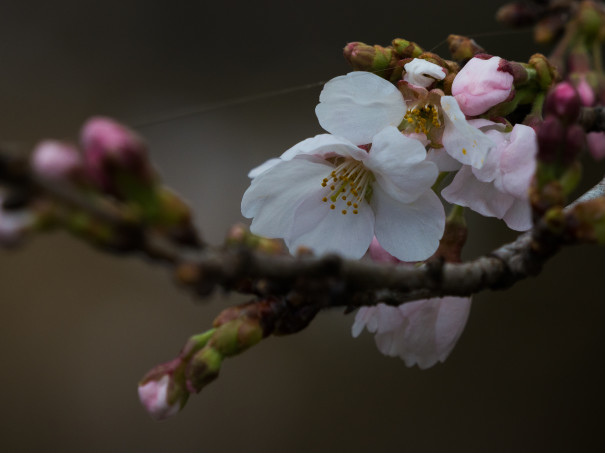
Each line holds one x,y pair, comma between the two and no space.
327,281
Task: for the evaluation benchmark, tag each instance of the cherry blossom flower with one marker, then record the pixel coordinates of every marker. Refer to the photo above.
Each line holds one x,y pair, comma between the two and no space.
328,194
500,188
332,196
482,83
439,117
421,333
357,106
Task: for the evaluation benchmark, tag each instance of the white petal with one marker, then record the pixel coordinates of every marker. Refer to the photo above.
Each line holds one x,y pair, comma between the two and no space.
417,71
361,320
518,161
263,167
482,197
491,167
399,166
329,231
359,105
433,328
325,146
443,160
274,195
518,217
410,232
462,141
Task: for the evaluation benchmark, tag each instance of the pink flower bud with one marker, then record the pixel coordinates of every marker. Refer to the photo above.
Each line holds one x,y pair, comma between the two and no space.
160,393
108,145
482,84
551,136
575,141
586,93
517,14
154,397
56,160
564,102
596,144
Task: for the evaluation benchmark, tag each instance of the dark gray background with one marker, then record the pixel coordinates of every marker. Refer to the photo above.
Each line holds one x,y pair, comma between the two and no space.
78,328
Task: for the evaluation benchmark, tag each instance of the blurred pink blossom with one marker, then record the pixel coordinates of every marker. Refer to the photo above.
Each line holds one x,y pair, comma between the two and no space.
56,160
421,333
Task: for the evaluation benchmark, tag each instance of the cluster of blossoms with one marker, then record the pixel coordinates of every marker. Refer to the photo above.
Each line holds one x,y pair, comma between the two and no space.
369,183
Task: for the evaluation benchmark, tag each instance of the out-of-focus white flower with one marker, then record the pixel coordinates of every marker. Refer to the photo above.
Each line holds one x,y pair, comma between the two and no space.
421,333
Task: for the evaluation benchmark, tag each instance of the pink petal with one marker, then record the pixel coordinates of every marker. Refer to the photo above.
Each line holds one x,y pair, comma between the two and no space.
519,216
484,198
518,161
421,333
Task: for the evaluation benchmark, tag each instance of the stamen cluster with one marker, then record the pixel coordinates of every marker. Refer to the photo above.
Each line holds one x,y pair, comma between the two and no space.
349,182
423,118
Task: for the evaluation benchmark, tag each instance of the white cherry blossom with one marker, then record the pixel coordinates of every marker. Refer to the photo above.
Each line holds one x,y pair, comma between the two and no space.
332,196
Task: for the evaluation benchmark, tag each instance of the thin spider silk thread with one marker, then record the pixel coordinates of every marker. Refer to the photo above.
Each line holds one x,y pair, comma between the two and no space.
247,99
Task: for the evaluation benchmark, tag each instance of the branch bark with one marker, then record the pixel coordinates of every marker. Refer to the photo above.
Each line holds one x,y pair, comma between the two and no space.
328,281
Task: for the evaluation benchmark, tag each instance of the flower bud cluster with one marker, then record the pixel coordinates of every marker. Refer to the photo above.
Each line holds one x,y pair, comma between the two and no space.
388,62
165,389
113,163
560,138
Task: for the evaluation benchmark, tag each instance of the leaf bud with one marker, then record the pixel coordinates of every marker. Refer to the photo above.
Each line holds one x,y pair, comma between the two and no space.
463,48
363,57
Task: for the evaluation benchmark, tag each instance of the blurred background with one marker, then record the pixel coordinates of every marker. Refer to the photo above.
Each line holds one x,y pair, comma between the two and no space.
78,328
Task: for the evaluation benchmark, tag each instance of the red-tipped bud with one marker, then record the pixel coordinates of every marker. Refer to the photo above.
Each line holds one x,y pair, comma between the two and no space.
564,102
109,146
517,14
463,48
162,391
551,136
575,141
